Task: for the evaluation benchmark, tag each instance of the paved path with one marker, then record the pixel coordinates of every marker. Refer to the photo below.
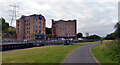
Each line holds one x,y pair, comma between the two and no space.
80,55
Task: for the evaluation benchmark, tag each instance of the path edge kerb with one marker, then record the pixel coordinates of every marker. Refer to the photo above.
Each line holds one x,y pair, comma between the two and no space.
94,57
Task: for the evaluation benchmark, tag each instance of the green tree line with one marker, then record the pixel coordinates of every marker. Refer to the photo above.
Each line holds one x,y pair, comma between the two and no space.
6,30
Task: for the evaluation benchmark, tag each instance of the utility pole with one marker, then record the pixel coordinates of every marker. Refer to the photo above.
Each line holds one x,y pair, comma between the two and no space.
14,13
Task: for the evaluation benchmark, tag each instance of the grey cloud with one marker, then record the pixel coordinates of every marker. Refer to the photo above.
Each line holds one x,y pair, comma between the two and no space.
89,15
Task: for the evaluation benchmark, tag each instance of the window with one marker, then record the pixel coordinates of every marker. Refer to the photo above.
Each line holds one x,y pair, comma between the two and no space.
35,36
39,27
29,23
72,33
18,32
18,24
39,21
36,23
29,32
36,27
43,32
36,19
33,19
18,28
66,33
36,31
39,24
54,32
39,31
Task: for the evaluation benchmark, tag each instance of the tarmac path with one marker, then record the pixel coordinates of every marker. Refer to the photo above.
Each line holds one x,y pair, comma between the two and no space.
81,55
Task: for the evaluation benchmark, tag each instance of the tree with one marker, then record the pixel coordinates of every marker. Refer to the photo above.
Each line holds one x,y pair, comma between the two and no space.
49,36
93,37
12,33
5,25
110,36
48,30
48,33
117,35
79,35
117,31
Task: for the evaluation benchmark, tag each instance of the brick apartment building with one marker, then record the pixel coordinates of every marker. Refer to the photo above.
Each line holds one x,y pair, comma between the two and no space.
64,29
31,27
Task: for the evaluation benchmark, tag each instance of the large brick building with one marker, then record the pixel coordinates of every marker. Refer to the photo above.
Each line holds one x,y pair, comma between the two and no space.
64,29
31,27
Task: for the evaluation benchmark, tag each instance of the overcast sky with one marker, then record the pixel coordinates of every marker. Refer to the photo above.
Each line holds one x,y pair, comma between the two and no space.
93,16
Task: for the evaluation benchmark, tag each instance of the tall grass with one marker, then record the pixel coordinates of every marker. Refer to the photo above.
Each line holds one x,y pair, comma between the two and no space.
117,42
107,52
114,48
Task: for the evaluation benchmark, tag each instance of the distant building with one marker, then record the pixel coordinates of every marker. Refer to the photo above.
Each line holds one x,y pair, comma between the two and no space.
31,27
64,29
87,34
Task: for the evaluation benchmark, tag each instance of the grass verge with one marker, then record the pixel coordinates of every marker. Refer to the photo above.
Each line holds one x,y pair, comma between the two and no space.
46,54
106,52
92,42
98,41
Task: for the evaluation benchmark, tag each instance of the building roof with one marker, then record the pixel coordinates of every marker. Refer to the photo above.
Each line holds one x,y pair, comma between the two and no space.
63,21
33,16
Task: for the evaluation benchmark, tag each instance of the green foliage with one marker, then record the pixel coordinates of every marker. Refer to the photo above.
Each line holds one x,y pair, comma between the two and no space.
48,30
117,32
117,42
93,37
5,25
110,36
79,35
106,52
11,31
48,35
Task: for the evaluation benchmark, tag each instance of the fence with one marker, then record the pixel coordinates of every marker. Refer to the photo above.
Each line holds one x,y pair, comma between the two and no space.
36,43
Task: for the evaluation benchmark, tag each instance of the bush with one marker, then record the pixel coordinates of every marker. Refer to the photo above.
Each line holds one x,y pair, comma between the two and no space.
114,48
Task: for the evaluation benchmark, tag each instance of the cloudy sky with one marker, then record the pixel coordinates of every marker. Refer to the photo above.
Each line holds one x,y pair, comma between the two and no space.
93,16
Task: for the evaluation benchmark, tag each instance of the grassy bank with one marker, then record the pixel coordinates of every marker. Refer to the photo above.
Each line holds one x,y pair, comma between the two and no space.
106,52
46,54
92,42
